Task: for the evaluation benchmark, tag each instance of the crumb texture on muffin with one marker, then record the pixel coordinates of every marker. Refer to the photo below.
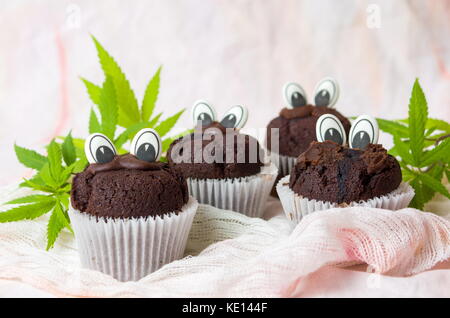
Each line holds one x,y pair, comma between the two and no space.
297,128
239,155
127,188
330,172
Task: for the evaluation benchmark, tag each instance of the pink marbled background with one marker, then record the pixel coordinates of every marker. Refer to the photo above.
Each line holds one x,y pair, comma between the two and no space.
226,51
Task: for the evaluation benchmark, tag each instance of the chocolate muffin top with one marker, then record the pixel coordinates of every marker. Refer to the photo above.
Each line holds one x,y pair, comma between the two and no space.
327,171
296,123
127,186
216,150
297,128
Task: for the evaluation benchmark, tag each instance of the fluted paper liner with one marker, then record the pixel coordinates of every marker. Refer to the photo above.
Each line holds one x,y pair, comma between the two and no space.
129,249
296,206
283,163
245,195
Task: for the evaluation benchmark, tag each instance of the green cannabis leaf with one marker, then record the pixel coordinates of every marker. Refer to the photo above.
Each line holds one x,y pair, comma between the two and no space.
115,108
128,106
68,150
150,96
108,108
53,178
30,158
422,146
117,104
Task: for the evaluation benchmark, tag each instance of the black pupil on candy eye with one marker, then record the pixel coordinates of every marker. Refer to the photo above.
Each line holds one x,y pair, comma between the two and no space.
229,121
146,152
361,140
333,135
205,119
297,100
104,154
322,98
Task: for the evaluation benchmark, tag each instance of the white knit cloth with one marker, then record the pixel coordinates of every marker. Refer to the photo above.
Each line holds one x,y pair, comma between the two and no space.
229,254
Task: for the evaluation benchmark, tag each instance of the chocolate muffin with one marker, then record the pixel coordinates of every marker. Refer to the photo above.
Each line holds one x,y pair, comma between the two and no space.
297,128
297,121
224,168
215,152
330,172
131,214
127,187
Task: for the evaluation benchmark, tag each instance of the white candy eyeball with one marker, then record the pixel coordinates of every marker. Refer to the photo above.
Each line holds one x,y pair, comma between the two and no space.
99,149
329,127
203,111
326,92
294,95
146,145
364,131
235,117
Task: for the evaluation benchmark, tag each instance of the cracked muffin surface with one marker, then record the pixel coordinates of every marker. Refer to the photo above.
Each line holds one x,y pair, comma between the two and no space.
330,172
129,188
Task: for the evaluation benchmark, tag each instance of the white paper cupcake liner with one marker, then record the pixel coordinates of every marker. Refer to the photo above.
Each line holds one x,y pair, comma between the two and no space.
283,163
129,249
296,207
244,195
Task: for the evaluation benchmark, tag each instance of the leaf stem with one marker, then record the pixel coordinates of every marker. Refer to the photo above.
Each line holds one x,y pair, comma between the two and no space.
441,139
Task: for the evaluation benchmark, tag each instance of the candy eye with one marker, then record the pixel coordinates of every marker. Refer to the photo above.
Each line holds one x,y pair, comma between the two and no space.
99,149
203,112
329,127
235,117
146,145
326,92
364,131
294,95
